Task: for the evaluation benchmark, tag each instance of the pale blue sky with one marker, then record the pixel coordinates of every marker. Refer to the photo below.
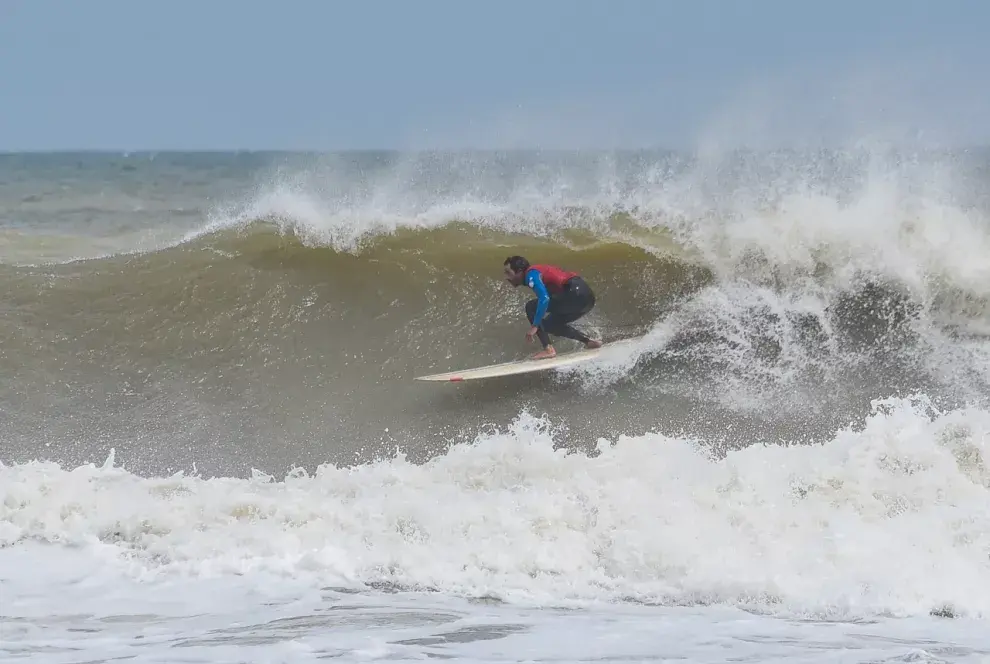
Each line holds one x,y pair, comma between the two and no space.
325,74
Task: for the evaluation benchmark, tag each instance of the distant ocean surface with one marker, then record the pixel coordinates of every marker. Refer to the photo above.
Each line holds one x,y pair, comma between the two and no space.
212,448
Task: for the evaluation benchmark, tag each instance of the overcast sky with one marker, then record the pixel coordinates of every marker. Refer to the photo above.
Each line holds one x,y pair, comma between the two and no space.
338,74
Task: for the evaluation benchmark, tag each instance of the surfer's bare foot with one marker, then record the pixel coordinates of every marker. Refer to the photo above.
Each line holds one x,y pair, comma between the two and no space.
545,354
593,343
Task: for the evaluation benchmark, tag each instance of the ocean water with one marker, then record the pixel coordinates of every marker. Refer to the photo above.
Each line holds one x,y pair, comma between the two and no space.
212,448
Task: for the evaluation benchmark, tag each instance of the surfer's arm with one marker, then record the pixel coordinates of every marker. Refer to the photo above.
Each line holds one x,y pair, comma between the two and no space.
535,281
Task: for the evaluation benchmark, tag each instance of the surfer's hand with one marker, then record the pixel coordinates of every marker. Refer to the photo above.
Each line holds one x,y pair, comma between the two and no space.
532,333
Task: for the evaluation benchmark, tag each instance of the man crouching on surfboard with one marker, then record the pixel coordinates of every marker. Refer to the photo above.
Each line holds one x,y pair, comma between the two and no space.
561,298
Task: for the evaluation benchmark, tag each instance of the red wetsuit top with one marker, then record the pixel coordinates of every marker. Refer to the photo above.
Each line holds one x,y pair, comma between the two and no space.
554,277
544,280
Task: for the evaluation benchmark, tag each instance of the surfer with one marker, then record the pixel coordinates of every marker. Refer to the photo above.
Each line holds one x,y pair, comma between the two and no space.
562,297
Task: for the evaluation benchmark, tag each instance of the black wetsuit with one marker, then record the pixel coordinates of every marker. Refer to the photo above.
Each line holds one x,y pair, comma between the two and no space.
574,300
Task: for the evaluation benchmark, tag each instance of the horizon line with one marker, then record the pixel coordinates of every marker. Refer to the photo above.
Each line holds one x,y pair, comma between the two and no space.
981,145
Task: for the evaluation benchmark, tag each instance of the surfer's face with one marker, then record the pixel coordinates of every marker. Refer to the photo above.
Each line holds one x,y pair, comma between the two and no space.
514,278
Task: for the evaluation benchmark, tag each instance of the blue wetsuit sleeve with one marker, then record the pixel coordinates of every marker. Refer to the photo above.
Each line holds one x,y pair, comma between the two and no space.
535,281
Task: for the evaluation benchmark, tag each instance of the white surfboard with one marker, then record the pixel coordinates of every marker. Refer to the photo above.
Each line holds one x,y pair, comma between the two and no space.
528,365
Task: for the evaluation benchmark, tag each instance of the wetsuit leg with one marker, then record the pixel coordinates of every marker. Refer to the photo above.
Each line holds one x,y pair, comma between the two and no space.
565,308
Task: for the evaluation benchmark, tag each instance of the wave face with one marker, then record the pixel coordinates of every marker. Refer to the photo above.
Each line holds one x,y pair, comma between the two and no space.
215,314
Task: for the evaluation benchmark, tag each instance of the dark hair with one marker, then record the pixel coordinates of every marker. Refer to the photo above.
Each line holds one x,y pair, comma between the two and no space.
517,263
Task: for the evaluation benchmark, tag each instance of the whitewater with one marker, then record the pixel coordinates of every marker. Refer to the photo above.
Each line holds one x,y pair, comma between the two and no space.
212,449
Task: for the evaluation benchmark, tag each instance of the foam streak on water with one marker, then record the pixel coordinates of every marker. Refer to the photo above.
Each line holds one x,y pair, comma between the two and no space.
278,619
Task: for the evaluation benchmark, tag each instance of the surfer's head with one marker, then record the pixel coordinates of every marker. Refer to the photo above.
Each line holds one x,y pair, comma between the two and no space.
515,268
